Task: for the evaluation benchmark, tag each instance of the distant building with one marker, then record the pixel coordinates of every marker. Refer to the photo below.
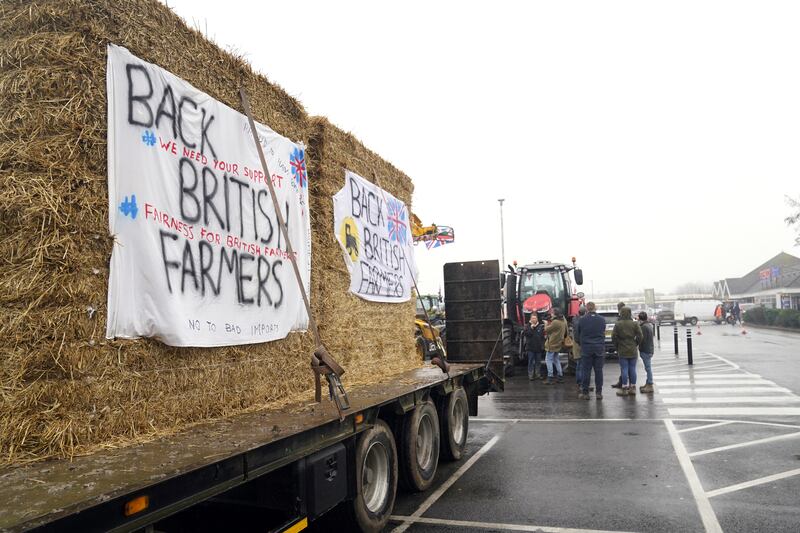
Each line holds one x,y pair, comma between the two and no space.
775,284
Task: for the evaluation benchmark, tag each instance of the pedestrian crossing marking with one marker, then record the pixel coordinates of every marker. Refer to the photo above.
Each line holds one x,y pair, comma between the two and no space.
722,390
734,399
662,383
734,411
719,387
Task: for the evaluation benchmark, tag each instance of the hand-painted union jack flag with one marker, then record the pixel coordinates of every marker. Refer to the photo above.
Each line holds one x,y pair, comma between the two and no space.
298,163
397,224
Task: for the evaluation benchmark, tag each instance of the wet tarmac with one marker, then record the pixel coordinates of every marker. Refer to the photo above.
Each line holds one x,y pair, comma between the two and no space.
716,448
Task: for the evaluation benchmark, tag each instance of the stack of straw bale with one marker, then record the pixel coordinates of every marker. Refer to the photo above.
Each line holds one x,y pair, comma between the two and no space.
65,389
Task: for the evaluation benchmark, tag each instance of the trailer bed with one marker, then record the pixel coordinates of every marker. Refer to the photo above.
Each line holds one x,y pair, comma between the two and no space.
180,470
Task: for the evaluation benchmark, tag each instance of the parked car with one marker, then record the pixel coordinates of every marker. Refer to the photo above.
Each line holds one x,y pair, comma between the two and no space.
611,319
665,316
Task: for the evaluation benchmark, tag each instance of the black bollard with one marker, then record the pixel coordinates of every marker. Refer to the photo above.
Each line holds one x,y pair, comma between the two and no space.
658,331
689,345
675,332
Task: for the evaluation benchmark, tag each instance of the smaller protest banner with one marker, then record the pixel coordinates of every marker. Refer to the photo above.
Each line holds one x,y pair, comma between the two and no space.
373,229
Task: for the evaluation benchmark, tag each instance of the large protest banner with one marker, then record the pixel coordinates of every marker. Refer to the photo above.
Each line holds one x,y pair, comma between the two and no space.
198,258
373,229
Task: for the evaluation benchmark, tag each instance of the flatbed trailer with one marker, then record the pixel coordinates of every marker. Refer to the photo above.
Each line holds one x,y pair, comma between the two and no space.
285,467
280,469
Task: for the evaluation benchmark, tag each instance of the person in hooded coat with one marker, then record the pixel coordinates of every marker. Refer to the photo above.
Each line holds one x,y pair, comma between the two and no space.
555,331
627,336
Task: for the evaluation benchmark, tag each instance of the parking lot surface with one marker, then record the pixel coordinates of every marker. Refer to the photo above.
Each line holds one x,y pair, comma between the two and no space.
716,448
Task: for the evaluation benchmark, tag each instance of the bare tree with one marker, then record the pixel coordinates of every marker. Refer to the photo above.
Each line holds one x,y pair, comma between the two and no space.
694,287
794,218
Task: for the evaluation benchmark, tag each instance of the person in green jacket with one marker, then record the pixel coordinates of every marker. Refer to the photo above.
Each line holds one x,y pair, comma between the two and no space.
555,330
627,336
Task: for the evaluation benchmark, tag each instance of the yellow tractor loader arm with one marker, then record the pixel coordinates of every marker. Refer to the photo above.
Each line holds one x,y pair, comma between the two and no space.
429,341
420,232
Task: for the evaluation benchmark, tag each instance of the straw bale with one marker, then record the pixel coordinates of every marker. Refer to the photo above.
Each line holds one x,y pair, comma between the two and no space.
64,388
331,152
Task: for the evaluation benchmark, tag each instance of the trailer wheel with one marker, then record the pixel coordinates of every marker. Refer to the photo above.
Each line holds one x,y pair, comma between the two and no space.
376,479
454,420
419,447
693,321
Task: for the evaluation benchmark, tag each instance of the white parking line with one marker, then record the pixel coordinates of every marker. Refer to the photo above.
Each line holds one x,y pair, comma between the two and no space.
753,483
486,526
722,390
430,500
753,422
703,505
734,411
706,426
745,444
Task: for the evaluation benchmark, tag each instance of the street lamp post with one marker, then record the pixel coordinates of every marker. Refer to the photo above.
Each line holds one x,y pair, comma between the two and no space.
502,237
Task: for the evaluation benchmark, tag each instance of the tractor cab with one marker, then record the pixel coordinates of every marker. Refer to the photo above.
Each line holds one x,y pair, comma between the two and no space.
537,288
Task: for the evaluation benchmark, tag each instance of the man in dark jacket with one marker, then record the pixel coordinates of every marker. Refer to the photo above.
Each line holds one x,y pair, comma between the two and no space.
575,353
534,345
591,334
646,350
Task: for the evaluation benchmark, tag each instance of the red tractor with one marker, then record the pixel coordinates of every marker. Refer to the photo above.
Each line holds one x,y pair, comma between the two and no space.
536,288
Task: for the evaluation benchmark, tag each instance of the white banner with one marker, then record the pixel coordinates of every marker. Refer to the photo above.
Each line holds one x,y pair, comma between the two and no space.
374,231
198,258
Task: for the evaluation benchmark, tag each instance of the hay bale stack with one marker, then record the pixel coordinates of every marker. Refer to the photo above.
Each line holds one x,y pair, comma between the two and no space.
347,322
65,389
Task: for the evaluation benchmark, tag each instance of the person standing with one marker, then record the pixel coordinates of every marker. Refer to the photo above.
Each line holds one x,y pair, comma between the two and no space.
556,330
534,345
591,332
576,346
737,313
626,337
646,350
618,384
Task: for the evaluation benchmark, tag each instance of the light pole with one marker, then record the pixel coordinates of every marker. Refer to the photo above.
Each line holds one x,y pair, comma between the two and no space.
502,237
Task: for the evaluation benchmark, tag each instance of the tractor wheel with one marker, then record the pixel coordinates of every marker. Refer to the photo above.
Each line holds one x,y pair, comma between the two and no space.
510,348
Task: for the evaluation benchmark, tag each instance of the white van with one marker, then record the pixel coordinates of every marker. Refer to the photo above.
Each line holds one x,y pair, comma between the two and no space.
694,311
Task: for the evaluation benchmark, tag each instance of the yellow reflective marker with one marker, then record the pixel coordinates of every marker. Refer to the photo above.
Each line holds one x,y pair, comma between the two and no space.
137,505
297,526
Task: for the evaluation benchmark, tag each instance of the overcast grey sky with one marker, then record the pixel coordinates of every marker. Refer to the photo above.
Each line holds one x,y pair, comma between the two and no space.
655,141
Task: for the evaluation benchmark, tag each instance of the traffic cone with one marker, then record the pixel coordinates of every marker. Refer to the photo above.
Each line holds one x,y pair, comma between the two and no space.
698,330
743,331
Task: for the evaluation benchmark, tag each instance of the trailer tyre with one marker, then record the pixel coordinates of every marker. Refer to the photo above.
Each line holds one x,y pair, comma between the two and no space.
376,479
693,321
419,447
454,420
